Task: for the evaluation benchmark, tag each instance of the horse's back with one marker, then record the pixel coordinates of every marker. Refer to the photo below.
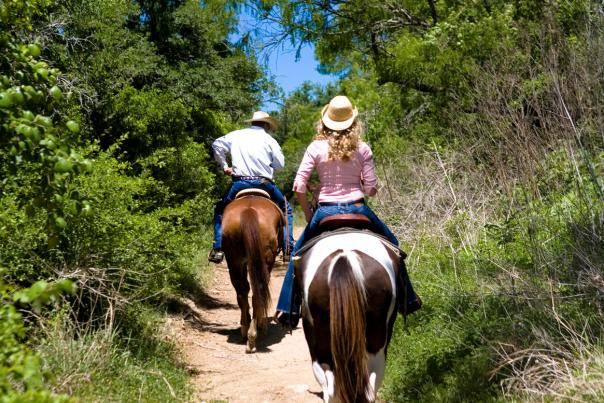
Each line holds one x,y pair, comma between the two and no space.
381,260
268,215
377,266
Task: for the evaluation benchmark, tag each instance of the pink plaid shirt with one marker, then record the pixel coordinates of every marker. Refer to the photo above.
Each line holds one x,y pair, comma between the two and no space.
340,180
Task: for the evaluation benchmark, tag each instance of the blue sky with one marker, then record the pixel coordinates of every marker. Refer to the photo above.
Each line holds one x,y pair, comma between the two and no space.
290,73
280,61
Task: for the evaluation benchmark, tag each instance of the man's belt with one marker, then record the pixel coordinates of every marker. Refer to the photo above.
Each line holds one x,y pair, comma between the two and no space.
251,178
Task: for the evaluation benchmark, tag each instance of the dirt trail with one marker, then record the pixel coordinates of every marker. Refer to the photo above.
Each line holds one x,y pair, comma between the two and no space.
209,335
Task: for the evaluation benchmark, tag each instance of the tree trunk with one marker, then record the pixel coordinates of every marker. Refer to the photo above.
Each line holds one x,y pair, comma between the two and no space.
433,11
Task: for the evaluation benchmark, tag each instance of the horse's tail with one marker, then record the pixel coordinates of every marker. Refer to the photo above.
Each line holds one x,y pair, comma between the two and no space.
257,268
347,305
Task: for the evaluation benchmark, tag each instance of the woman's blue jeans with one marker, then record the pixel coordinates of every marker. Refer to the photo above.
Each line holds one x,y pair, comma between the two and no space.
289,305
276,195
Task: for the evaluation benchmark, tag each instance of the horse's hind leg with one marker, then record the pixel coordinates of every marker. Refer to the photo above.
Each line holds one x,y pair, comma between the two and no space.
252,332
242,288
324,375
376,366
251,337
245,314
260,304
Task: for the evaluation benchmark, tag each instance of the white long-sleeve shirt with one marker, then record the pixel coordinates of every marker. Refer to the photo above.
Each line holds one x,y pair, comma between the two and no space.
253,152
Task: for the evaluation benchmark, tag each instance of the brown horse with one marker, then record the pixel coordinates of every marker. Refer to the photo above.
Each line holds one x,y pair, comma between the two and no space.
252,231
348,285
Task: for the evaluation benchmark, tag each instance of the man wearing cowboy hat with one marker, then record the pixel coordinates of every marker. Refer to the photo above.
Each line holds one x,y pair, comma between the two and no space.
254,157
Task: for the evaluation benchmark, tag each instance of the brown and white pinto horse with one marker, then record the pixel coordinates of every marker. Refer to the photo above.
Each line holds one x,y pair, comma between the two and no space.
348,285
252,230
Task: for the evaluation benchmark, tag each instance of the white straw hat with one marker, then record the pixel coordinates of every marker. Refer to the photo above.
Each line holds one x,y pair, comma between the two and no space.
339,114
260,116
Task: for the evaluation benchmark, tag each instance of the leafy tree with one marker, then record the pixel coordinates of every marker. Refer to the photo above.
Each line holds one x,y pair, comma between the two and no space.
37,160
156,78
431,51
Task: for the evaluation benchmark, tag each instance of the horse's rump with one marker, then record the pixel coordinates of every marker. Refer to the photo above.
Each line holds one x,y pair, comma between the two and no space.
251,230
348,284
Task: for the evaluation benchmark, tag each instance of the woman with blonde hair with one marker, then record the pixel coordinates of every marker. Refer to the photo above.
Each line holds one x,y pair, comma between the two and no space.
346,171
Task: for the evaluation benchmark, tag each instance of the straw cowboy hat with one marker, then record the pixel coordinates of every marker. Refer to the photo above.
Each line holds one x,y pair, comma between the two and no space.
339,114
260,116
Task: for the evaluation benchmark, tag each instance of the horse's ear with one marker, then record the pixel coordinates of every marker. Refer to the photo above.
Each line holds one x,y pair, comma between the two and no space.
403,254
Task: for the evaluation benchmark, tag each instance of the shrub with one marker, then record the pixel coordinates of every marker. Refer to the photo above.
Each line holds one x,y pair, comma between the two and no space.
21,376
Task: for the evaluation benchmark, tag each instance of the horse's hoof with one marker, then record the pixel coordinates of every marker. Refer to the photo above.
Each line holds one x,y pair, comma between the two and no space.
251,348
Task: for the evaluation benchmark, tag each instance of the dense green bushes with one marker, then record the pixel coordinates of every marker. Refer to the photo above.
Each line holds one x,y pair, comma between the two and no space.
106,115
528,288
21,376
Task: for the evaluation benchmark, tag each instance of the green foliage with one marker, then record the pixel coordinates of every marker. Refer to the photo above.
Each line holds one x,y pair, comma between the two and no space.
21,376
130,246
127,251
19,14
117,367
37,162
496,295
42,293
186,170
149,120
106,113
161,79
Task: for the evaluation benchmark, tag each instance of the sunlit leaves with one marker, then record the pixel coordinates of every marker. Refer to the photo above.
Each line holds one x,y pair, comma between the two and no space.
32,136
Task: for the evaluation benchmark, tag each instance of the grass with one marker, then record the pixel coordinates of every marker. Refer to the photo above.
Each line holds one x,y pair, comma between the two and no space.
439,354
95,366
511,287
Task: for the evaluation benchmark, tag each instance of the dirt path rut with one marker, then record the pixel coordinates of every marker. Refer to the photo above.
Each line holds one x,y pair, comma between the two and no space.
280,371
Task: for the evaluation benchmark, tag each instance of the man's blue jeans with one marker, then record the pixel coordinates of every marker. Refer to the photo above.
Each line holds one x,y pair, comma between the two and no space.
285,303
265,185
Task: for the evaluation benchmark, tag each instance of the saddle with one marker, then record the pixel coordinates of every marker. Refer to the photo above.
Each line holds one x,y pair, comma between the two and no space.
332,222
345,225
252,192
262,193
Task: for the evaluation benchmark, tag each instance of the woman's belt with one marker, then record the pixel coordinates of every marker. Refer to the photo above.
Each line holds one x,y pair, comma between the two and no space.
342,203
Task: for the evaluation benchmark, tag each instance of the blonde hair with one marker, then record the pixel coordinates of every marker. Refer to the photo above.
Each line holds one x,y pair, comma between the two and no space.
342,143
